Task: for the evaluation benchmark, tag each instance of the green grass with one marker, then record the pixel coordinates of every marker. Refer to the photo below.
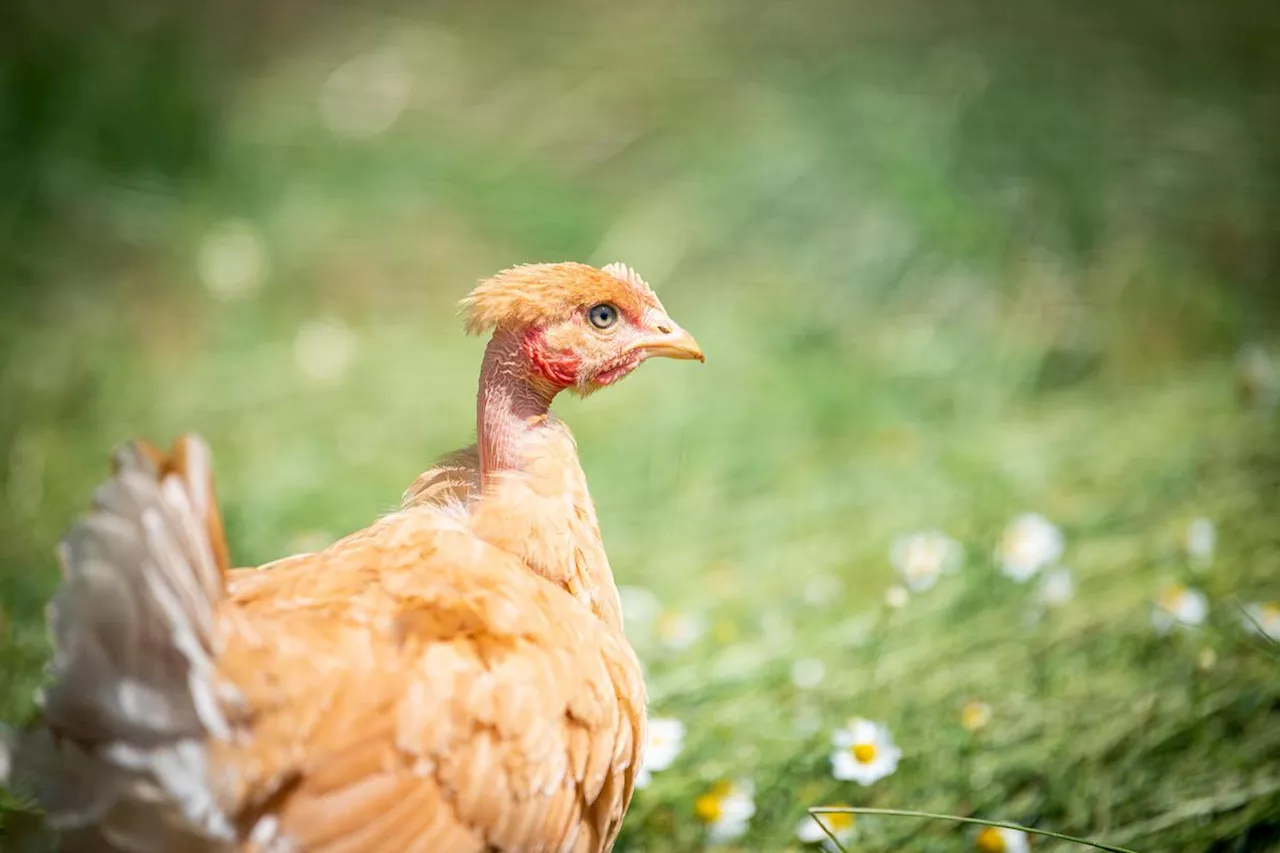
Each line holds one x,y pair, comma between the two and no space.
940,282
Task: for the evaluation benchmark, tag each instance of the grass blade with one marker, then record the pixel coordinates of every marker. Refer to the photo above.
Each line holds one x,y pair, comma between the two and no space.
814,813
1262,632
858,810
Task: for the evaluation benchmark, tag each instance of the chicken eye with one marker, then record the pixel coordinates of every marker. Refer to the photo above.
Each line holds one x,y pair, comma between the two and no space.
603,316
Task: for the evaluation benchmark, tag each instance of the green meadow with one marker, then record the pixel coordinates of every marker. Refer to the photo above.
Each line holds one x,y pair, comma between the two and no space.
950,264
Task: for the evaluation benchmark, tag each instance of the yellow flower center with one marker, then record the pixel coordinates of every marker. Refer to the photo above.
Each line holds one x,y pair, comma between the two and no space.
837,822
975,715
707,808
865,753
1172,596
990,840
710,806
1270,611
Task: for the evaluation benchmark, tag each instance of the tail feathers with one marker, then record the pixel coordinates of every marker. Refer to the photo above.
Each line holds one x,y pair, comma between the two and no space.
135,690
80,787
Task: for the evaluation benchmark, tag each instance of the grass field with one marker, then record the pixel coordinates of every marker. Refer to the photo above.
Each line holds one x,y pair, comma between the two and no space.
945,274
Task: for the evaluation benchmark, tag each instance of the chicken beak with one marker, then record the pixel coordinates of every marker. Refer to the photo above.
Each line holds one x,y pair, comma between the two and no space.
669,341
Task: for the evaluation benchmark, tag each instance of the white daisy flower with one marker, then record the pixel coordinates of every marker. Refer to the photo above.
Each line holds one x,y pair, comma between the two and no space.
1057,587
1030,543
896,596
1201,540
864,752
1263,619
664,739
921,558
726,809
975,715
807,673
839,824
1179,606
324,349
677,629
997,839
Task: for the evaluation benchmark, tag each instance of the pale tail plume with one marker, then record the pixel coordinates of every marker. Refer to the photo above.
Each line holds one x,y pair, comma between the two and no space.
134,694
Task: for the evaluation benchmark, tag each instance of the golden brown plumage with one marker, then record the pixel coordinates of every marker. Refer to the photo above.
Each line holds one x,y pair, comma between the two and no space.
452,678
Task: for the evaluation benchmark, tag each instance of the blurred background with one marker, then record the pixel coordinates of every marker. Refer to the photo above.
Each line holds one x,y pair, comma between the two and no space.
952,263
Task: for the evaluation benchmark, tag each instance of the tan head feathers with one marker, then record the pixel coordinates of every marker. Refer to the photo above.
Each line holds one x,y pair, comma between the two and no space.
546,293
622,272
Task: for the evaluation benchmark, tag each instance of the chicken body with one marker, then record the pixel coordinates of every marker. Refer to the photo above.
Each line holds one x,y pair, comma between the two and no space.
473,705
452,678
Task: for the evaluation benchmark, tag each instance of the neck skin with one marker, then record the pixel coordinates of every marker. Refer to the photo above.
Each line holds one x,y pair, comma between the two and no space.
559,541
514,399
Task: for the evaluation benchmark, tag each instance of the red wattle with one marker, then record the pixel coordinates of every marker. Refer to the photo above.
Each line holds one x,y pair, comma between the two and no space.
560,369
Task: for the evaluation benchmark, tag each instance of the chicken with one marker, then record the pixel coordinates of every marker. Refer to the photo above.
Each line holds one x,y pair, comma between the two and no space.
452,678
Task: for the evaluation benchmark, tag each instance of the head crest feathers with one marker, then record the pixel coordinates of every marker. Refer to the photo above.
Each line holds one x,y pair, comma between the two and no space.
622,272
541,293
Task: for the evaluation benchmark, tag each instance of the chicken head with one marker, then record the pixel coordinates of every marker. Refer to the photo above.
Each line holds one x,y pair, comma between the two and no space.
578,327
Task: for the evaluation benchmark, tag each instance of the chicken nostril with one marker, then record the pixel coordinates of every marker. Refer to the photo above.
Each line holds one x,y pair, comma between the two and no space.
664,328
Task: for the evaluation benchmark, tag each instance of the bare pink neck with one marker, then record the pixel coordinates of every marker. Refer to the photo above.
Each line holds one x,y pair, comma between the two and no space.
512,402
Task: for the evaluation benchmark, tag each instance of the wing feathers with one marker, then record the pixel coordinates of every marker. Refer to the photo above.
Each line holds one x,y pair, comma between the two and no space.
504,719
